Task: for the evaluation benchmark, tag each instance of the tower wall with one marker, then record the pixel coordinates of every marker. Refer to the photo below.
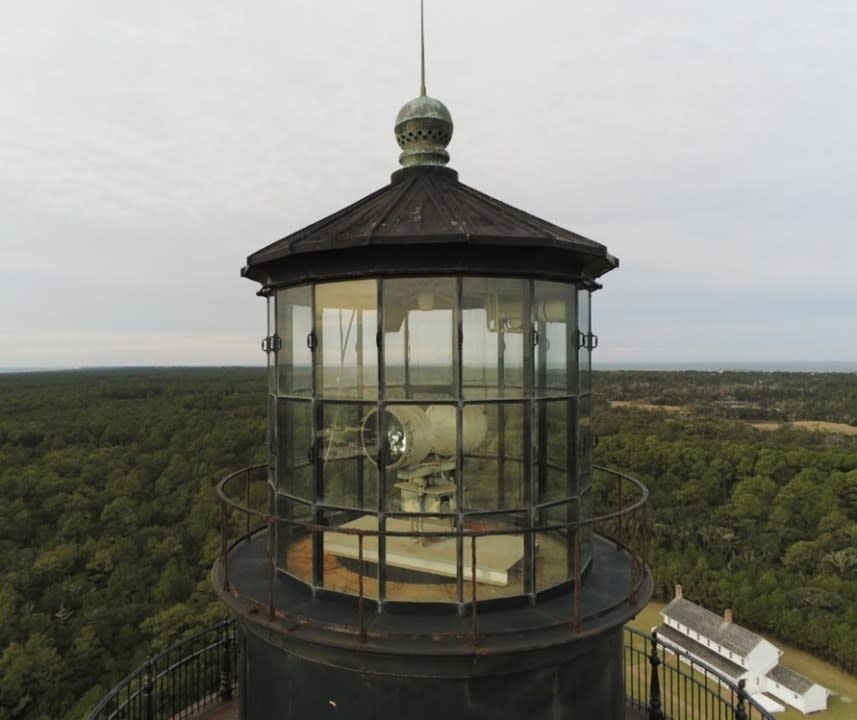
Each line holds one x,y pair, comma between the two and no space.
582,679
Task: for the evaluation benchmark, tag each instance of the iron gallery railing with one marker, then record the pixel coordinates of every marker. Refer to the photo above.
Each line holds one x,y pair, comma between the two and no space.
201,671
246,492
190,675
670,684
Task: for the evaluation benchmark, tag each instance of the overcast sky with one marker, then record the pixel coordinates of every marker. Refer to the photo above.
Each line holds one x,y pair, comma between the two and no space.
146,148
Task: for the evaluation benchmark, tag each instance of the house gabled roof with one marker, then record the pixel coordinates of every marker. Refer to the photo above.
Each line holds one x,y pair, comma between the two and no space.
710,625
790,679
671,636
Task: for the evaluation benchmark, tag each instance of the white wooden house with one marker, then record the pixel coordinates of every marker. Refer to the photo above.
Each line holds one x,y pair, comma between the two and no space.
796,690
739,654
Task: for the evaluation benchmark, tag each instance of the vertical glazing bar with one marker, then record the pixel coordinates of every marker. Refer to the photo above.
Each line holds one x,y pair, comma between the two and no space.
381,567
501,416
578,585
529,454
407,356
458,379
475,605
271,570
360,569
319,517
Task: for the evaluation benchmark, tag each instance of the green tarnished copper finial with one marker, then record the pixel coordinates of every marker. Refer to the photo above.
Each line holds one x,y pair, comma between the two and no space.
423,126
423,130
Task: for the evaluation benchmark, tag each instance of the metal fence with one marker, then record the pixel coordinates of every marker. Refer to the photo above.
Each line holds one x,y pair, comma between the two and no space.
200,671
247,492
190,675
669,684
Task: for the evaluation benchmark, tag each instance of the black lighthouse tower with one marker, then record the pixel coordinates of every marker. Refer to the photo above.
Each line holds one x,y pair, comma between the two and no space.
428,544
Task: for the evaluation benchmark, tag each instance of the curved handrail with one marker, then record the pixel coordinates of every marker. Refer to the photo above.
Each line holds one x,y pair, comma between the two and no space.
193,673
666,689
266,517
574,528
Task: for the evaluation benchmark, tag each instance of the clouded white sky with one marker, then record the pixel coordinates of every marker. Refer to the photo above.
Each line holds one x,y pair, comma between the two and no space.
148,148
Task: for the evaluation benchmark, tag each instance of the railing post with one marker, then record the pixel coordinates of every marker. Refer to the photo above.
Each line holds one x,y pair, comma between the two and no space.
635,572
655,711
740,710
225,691
247,499
224,554
148,693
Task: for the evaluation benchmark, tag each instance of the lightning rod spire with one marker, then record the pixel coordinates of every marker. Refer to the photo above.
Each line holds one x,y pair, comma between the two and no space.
422,50
423,126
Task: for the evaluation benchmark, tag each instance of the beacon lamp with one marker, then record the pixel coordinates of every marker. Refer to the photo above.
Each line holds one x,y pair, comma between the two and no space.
419,444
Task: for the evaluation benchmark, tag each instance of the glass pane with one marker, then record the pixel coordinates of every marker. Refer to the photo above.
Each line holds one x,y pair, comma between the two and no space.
418,567
586,438
271,433
294,325
500,563
346,325
419,338
342,565
554,475
295,438
495,321
294,543
349,478
495,448
554,315
586,530
555,547
584,354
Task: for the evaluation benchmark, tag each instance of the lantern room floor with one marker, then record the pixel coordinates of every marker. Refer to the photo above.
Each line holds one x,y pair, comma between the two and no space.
613,590
497,557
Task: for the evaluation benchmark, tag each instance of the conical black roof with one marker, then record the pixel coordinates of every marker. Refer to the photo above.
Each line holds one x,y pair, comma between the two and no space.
425,222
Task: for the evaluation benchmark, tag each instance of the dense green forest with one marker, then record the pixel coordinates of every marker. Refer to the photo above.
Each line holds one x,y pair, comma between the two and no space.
109,521
109,524
761,521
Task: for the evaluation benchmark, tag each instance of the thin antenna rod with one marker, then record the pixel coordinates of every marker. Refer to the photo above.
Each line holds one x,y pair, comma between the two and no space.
422,51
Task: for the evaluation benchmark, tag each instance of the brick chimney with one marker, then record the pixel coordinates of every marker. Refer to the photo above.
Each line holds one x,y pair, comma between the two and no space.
727,615
679,592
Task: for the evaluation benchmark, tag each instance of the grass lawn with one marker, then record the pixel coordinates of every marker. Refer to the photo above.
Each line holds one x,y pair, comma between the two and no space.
842,704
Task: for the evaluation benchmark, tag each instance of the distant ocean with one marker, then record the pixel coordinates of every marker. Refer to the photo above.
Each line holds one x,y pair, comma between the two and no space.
749,366
712,366
33,369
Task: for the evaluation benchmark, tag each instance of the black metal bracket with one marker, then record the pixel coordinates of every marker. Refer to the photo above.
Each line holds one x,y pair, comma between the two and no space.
272,343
